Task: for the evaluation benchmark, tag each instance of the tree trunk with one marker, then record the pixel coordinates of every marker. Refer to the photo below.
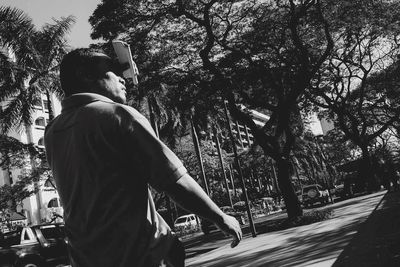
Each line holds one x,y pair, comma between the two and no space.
275,179
366,172
297,173
312,171
293,207
50,105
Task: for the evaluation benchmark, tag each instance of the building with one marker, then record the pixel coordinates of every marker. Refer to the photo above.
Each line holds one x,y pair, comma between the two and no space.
318,126
243,134
42,206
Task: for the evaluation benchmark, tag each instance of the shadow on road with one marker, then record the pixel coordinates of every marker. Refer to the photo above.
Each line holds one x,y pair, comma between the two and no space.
377,243
300,246
307,248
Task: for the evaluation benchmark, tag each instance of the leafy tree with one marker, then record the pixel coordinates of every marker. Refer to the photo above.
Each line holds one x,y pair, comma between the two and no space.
28,64
29,61
350,86
261,54
33,167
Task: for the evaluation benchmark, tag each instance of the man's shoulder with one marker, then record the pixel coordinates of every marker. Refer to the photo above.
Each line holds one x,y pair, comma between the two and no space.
124,114
126,111
113,107
50,125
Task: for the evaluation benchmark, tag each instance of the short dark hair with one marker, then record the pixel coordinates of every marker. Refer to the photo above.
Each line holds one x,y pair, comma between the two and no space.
83,58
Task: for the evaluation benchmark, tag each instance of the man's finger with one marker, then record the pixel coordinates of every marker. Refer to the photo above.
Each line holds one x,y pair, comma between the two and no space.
235,242
239,232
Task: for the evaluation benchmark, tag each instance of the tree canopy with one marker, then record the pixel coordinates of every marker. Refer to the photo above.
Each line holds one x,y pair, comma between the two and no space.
29,62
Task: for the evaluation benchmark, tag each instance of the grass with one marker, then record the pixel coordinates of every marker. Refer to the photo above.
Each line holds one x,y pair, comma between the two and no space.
309,217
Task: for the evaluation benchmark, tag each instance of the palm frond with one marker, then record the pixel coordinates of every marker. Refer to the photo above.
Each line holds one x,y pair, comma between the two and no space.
10,117
12,77
35,58
51,40
13,151
16,29
17,111
15,25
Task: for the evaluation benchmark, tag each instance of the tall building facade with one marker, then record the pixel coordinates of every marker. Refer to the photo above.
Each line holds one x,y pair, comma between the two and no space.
44,205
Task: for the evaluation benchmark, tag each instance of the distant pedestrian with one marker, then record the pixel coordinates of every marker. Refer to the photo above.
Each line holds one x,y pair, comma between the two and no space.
103,155
391,174
395,181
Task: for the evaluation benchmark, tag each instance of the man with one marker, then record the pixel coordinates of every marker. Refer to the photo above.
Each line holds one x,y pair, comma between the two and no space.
103,155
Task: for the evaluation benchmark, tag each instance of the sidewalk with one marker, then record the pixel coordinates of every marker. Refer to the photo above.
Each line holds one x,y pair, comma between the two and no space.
363,232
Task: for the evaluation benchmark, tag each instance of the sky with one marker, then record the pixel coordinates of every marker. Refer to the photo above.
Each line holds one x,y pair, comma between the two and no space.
42,11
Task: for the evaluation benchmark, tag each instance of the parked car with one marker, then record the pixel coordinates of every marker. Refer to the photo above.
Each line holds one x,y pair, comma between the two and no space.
314,193
339,191
34,246
188,221
240,206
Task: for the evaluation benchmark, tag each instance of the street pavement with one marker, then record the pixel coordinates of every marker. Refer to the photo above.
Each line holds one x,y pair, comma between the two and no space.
197,243
364,231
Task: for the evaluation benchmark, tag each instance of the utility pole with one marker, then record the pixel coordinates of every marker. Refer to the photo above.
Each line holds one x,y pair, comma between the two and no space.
275,179
239,169
232,180
239,135
198,152
221,161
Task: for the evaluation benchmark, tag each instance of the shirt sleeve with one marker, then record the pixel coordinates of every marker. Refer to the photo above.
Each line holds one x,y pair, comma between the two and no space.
164,166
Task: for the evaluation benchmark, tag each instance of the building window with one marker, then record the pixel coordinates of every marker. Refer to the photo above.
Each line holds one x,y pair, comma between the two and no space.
40,122
46,105
37,102
53,203
41,142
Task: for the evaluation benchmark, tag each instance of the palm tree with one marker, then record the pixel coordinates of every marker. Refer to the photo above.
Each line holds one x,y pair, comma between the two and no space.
29,62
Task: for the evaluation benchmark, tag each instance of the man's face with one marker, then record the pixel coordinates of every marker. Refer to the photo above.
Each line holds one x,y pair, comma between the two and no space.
107,82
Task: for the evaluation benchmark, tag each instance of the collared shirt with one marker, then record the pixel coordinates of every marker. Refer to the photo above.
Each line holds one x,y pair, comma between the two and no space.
103,156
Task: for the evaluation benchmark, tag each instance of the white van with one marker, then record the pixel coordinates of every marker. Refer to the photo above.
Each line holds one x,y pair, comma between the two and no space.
188,221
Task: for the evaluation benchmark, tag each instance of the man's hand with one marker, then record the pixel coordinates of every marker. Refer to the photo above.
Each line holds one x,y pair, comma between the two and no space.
231,226
188,193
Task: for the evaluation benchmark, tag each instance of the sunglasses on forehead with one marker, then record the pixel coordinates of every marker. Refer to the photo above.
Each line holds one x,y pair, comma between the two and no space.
124,55
117,67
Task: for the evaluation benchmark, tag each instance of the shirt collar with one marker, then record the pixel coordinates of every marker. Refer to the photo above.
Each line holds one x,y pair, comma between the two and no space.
81,99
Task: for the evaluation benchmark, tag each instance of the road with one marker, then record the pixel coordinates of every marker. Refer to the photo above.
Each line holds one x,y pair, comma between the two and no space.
291,247
199,243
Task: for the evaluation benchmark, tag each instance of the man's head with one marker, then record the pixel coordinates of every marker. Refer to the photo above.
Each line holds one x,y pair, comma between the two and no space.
87,70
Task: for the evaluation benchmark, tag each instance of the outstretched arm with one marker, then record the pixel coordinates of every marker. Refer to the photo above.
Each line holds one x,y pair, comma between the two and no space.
191,196
167,172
